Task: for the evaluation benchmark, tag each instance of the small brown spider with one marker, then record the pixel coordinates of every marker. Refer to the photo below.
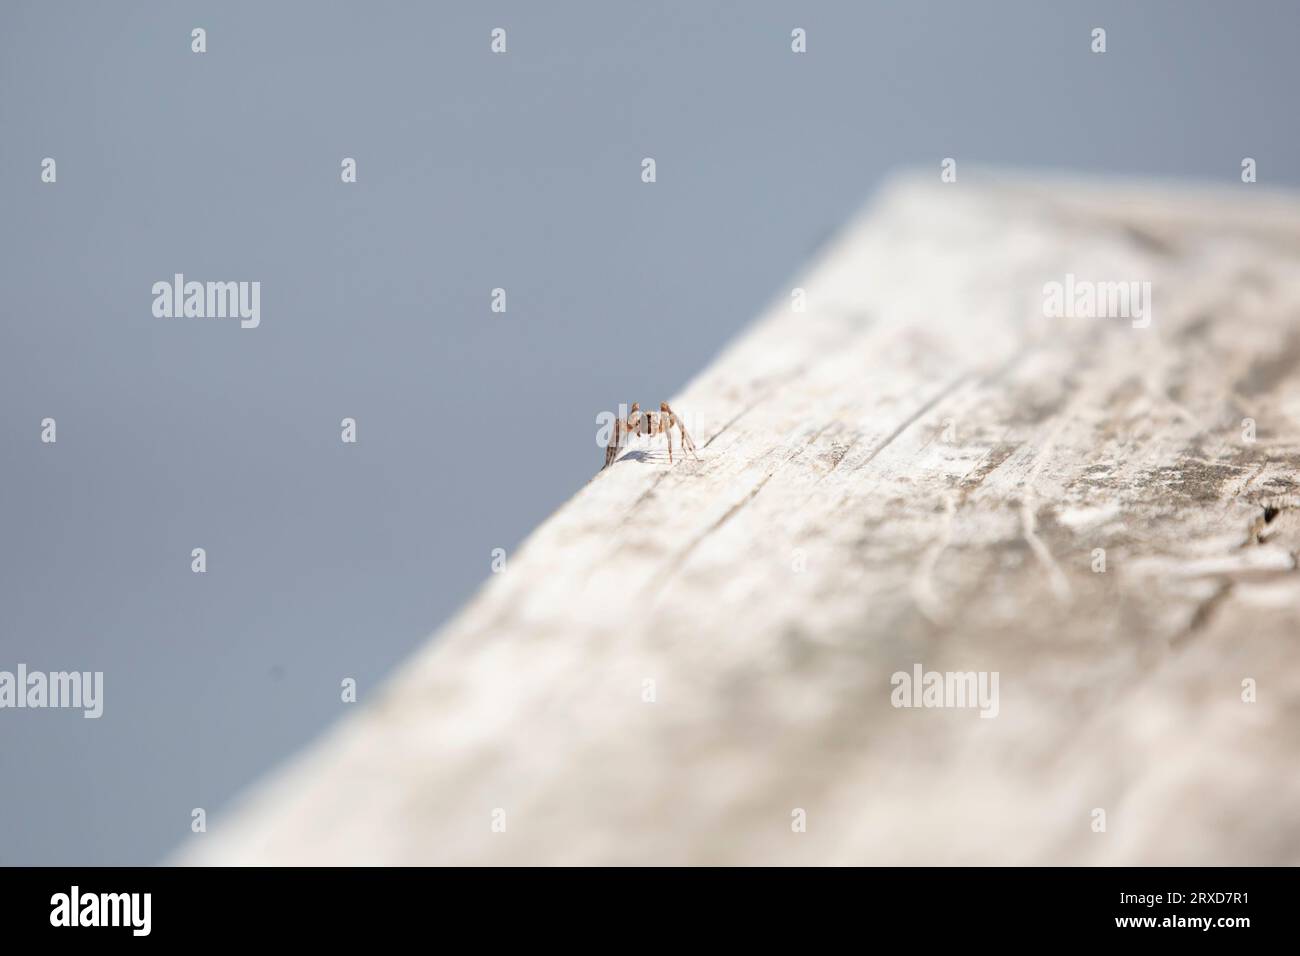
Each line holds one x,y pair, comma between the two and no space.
647,423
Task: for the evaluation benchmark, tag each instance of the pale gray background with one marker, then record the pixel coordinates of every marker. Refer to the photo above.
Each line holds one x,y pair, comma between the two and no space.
476,171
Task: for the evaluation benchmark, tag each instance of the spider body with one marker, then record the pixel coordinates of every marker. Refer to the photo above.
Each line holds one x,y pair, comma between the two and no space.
648,424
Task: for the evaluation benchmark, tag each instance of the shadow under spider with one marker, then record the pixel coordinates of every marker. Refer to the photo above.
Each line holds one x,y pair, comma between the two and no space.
640,455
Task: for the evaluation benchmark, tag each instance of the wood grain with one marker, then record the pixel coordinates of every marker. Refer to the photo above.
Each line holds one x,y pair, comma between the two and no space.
920,468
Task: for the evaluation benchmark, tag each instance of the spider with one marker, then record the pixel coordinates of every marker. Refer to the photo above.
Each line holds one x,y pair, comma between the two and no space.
647,423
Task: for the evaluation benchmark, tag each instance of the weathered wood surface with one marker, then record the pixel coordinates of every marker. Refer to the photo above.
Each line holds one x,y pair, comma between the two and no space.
823,442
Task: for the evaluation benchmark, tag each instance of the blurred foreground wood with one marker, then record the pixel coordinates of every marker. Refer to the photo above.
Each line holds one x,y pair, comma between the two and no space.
922,468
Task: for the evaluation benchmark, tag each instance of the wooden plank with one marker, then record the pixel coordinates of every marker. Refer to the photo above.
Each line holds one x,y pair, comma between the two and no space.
918,470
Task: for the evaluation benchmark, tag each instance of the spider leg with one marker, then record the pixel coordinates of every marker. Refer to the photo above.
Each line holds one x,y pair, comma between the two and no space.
668,433
632,427
614,443
622,429
686,439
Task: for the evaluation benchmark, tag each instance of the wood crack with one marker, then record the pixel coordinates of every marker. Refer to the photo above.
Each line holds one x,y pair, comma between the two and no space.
906,423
